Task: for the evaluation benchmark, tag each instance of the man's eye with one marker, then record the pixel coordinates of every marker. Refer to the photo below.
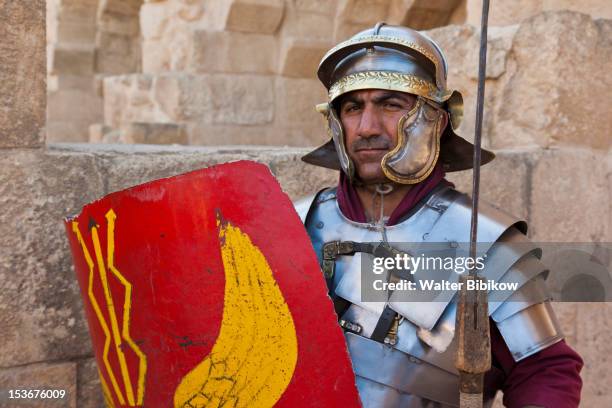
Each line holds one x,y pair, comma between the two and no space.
351,108
392,105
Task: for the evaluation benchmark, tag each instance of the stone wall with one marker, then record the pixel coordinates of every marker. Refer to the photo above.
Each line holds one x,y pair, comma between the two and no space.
542,77
245,61
256,55
229,87
86,41
508,12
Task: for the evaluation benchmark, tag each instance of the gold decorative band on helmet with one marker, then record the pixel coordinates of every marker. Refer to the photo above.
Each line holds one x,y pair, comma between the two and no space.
385,39
393,81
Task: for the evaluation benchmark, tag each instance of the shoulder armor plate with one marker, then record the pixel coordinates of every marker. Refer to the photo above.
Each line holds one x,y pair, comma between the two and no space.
303,205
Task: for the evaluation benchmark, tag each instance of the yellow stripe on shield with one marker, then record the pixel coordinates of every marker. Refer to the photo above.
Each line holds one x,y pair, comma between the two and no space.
254,357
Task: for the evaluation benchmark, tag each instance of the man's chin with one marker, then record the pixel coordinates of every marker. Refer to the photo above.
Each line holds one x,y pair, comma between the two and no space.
372,178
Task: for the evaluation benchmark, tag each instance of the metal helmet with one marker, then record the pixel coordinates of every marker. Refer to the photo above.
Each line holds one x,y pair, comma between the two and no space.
399,59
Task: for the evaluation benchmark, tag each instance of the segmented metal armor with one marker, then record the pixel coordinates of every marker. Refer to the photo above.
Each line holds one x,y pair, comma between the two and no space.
412,365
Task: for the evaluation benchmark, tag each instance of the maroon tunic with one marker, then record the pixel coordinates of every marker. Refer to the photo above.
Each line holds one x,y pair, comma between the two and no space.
549,378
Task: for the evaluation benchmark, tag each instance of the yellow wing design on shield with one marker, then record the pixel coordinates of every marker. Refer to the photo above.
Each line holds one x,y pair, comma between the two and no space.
254,357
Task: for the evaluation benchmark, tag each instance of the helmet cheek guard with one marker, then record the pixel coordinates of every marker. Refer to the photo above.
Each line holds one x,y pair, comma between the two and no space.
336,132
418,144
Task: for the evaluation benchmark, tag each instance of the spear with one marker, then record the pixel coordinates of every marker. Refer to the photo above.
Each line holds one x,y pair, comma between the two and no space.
473,357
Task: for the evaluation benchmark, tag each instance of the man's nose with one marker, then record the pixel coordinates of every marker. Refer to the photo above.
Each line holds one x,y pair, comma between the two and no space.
370,124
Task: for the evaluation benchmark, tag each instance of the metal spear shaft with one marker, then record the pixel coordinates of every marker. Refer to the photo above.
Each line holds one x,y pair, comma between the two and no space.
473,357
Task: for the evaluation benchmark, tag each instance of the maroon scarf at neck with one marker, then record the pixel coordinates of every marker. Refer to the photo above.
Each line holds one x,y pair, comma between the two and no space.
351,206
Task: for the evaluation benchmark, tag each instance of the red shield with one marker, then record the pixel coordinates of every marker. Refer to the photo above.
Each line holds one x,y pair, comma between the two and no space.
203,290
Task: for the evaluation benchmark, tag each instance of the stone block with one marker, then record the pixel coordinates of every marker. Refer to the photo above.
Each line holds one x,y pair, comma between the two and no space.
77,11
557,100
112,137
74,82
191,11
154,18
315,6
460,45
129,165
528,101
67,131
300,57
362,11
421,14
425,18
129,98
97,131
515,12
343,30
299,179
116,53
314,134
156,57
44,376
73,60
216,98
175,98
296,99
77,33
181,98
398,11
609,181
307,25
128,25
567,314
89,389
41,313
505,182
114,43
503,12
595,8
74,105
126,7
206,134
115,91
569,196
254,16
594,346
153,133
445,6
23,74
459,14
233,52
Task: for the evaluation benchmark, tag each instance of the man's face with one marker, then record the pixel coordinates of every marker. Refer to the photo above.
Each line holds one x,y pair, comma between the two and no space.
369,118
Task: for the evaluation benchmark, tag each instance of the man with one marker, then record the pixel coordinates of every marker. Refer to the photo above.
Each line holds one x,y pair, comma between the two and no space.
391,120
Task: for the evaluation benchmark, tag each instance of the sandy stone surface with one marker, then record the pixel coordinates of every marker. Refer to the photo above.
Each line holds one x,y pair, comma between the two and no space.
537,92
43,376
507,12
22,77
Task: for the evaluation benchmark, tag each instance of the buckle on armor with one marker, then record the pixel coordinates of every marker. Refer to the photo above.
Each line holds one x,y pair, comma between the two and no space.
350,326
331,250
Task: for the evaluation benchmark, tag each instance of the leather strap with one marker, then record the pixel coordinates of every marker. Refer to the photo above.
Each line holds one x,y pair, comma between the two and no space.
384,324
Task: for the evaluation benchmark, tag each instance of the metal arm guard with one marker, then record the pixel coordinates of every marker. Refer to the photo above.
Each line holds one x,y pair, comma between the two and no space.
416,368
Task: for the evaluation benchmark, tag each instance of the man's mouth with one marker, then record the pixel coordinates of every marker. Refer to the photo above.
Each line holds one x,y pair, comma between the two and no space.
371,150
